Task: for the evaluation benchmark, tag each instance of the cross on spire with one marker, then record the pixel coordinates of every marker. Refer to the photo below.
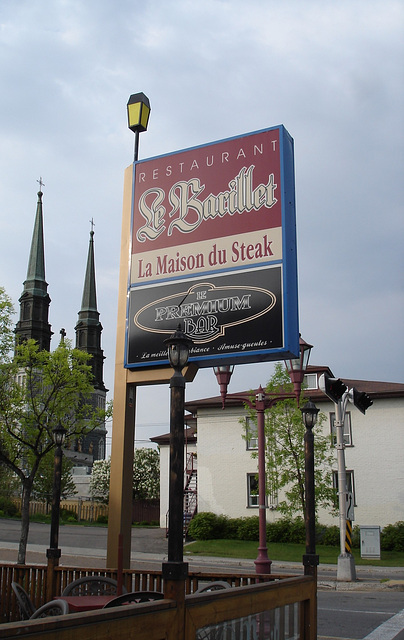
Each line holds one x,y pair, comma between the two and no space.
92,225
41,183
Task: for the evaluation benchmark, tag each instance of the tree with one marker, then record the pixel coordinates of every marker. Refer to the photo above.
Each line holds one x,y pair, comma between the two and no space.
284,451
43,483
99,480
38,391
146,476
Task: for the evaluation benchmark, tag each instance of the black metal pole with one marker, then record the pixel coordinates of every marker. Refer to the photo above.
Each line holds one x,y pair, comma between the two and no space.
54,551
262,563
176,489
136,149
175,568
310,559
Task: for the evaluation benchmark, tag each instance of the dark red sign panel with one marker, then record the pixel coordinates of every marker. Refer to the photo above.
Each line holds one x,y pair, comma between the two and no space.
214,249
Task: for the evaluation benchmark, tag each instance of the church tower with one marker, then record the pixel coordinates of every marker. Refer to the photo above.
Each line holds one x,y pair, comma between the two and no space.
88,338
35,300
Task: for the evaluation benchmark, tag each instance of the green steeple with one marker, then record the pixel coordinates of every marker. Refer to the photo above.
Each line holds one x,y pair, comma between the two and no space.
35,282
35,300
88,328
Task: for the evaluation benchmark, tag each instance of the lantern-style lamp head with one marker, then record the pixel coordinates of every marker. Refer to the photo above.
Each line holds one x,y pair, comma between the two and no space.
223,374
297,366
178,349
138,112
309,414
59,434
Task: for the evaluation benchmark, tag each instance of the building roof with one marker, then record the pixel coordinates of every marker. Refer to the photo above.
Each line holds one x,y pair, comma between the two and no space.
374,389
189,433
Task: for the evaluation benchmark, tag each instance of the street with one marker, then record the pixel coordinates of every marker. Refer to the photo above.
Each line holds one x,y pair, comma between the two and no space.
343,614
355,614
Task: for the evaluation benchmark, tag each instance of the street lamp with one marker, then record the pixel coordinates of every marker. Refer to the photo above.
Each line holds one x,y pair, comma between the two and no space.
138,108
53,553
310,559
59,434
178,352
223,374
262,401
297,366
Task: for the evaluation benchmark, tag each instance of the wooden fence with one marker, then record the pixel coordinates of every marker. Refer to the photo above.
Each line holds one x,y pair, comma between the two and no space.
88,510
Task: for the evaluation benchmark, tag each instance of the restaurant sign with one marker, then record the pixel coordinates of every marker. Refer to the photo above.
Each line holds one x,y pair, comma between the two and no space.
213,249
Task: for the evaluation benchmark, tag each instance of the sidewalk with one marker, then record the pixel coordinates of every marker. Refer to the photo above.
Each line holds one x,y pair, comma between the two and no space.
369,578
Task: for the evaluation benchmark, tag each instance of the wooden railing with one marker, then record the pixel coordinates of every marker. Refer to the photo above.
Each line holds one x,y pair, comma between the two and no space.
34,580
285,607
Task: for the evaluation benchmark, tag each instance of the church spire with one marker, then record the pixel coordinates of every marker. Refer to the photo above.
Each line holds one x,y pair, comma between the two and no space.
88,328
35,300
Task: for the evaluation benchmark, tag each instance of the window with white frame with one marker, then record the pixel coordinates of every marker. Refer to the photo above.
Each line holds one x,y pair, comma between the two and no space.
347,429
310,381
350,483
251,434
252,490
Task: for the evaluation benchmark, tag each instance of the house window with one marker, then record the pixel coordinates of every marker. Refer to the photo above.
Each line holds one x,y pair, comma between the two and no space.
347,429
251,434
310,381
350,483
252,490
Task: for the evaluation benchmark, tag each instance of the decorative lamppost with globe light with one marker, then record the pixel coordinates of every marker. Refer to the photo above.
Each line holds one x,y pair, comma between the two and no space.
296,368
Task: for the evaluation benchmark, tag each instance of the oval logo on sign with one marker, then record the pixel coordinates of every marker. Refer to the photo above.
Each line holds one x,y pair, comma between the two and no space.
205,311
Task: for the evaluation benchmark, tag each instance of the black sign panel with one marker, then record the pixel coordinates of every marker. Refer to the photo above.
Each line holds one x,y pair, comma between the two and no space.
238,313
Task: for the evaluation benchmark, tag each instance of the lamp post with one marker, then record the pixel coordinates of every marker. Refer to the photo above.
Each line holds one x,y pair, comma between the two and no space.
53,553
178,351
310,559
262,401
138,108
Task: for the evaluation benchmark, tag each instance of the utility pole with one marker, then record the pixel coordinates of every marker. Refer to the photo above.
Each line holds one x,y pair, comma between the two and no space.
338,392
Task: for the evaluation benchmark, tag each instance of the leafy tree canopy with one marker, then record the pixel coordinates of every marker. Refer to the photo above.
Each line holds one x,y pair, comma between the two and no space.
43,483
39,390
284,451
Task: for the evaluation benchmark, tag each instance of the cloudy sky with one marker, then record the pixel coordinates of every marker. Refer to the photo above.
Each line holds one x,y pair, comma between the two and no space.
330,72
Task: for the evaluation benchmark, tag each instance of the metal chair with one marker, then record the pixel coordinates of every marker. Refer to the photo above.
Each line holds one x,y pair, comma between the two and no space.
135,597
52,608
25,603
214,586
93,586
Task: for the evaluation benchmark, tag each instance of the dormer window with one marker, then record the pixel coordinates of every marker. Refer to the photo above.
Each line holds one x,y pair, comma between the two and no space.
310,381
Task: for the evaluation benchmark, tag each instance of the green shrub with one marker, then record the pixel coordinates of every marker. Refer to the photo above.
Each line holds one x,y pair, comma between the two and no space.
331,537
8,507
248,529
392,537
297,531
227,528
102,519
285,530
66,514
203,526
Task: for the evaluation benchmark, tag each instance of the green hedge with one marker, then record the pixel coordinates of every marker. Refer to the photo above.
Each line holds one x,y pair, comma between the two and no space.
209,526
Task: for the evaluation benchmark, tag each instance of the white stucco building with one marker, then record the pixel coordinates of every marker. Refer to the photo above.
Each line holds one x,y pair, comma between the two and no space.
226,472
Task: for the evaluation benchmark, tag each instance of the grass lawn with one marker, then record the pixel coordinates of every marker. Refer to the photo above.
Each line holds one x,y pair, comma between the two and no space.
284,552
